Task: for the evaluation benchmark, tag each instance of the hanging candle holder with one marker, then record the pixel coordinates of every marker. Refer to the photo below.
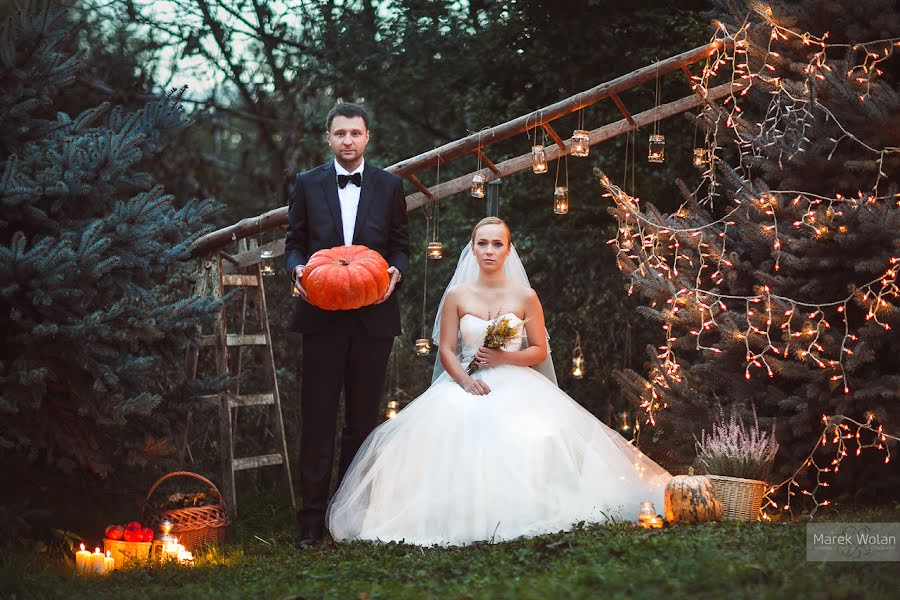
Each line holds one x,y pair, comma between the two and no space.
393,407
624,426
267,263
561,200
577,358
700,159
423,347
581,140
657,153
478,186
435,250
578,367
538,159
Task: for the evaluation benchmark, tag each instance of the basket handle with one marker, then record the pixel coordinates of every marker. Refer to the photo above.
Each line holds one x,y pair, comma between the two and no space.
184,474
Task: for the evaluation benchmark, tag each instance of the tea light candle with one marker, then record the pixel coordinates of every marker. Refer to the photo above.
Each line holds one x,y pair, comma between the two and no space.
98,562
82,561
109,562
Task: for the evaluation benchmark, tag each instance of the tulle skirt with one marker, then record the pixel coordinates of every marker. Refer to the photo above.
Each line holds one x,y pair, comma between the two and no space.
453,468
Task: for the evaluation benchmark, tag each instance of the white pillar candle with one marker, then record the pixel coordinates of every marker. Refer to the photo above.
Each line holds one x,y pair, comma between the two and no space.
82,561
110,562
98,562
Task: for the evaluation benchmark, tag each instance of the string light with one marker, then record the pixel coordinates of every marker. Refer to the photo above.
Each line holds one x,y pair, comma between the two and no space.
837,430
654,249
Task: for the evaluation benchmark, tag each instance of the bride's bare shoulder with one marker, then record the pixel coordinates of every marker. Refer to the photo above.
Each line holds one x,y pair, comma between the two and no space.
524,292
457,293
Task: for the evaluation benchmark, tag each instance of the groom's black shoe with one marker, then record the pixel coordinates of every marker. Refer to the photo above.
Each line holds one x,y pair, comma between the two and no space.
310,536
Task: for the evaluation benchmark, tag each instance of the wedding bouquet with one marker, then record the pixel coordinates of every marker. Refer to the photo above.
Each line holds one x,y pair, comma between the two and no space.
498,333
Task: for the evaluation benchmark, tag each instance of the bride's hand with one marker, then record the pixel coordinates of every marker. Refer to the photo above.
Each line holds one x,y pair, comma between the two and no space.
475,387
489,357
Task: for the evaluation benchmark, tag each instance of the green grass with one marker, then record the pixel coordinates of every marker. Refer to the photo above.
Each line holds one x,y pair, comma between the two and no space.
718,560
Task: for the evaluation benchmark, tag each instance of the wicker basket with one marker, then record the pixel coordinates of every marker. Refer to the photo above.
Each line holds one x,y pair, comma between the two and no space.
741,498
127,552
193,526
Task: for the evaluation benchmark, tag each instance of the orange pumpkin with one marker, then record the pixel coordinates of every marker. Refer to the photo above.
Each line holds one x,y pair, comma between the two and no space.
345,277
691,499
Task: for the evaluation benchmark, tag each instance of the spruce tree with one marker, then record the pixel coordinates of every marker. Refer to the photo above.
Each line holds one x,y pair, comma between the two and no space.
94,308
775,283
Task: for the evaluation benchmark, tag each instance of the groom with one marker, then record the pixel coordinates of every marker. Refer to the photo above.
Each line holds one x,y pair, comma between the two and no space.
343,202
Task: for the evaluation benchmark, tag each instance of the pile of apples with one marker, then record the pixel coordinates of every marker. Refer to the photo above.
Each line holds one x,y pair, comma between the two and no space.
133,532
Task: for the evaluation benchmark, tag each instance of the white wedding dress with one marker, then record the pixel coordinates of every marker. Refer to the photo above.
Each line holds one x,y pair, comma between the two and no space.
454,468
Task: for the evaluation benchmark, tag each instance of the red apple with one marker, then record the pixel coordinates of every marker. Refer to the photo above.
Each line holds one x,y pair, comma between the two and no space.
134,532
115,532
148,534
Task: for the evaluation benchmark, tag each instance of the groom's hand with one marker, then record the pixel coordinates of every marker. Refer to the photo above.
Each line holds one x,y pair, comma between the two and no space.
394,272
297,277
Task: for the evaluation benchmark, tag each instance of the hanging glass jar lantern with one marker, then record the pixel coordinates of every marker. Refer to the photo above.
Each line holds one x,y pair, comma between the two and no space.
581,140
577,358
561,200
624,424
578,366
266,263
700,157
393,407
478,185
657,152
538,159
423,346
435,250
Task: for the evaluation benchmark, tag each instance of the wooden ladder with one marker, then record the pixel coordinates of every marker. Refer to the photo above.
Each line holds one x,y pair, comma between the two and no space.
212,281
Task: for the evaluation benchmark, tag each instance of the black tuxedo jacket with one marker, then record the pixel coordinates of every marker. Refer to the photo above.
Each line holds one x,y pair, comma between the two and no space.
314,223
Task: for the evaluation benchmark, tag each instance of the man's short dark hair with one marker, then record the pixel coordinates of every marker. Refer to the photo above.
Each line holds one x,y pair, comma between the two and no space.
346,109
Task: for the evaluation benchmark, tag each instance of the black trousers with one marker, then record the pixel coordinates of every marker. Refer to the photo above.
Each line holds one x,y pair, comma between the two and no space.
347,357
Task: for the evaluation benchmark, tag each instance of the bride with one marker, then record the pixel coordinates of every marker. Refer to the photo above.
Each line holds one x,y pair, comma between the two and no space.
498,454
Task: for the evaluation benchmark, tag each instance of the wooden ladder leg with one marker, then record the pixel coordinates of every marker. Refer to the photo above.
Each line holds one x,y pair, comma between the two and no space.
269,365
220,349
192,356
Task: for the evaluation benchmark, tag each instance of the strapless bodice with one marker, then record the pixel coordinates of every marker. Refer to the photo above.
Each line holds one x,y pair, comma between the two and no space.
472,330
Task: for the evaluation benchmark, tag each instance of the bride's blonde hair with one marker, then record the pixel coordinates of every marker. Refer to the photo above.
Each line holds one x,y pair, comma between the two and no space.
492,221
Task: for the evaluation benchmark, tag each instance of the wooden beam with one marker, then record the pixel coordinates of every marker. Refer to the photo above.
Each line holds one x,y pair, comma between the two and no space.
555,136
487,162
618,102
415,181
523,162
506,130
278,216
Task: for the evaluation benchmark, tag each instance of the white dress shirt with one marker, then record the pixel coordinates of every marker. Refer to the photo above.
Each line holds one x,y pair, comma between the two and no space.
349,199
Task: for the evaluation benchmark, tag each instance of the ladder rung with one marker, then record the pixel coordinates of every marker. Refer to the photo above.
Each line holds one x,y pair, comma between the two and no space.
244,280
251,400
236,339
255,462
253,339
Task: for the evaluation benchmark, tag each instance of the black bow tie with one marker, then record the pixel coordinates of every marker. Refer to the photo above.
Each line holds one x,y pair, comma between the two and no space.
355,179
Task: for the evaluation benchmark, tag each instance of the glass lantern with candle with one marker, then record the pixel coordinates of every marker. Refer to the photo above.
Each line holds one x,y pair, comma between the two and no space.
478,185
578,366
423,346
393,407
647,514
435,250
700,157
267,263
657,152
581,140
561,200
538,159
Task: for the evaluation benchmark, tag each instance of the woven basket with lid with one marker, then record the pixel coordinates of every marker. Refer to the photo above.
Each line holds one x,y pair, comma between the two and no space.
195,525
